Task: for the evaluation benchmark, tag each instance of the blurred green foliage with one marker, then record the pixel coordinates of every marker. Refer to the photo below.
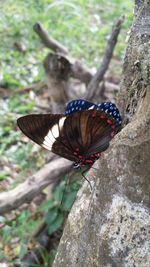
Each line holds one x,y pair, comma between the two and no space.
83,26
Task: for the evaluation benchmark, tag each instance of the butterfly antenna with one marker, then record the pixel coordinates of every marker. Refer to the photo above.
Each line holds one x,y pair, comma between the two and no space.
86,178
94,168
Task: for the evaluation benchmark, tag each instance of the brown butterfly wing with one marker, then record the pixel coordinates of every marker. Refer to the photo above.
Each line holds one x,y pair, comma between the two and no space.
47,130
103,130
90,131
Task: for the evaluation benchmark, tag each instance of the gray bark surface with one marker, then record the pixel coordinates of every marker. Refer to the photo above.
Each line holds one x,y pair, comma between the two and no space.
111,225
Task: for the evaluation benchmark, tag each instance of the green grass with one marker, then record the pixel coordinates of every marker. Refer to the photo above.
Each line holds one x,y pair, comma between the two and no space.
83,26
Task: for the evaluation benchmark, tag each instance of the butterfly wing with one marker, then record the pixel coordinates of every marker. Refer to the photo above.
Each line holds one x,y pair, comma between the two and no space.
95,128
90,131
47,130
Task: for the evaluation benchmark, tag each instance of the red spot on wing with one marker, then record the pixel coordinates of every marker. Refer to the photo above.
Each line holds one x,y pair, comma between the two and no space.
102,117
88,161
113,134
109,122
94,114
113,126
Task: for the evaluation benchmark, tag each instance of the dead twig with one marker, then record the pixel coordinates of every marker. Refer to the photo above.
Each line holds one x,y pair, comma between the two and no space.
49,42
93,85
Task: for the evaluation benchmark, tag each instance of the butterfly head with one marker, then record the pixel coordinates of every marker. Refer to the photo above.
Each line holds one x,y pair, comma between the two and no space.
81,163
77,165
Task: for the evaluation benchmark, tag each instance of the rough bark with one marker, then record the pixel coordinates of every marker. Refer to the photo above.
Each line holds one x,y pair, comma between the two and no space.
111,227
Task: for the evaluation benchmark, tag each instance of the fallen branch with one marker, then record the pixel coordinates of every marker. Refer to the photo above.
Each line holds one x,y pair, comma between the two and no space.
34,184
93,85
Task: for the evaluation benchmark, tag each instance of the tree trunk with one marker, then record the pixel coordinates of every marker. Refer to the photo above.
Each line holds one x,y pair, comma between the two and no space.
111,226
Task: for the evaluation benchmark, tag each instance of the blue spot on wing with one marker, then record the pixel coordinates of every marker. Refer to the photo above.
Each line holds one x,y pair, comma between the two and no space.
81,104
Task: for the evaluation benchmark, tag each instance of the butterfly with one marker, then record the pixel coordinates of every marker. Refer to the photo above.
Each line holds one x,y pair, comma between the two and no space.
79,135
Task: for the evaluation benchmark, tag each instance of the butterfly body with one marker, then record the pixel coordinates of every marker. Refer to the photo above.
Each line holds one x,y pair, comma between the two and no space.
85,160
80,135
